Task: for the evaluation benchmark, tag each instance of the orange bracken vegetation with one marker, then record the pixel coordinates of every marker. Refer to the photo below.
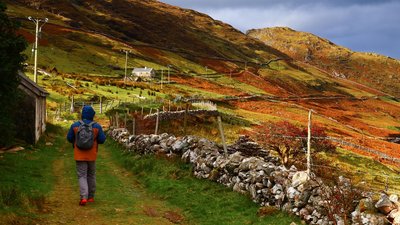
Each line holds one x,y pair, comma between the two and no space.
206,85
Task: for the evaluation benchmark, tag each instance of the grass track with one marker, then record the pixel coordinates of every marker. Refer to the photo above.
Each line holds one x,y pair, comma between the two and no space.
202,201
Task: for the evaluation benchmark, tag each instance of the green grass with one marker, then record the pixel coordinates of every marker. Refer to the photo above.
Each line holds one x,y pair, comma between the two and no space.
230,82
207,129
361,168
393,128
195,91
202,201
390,100
26,177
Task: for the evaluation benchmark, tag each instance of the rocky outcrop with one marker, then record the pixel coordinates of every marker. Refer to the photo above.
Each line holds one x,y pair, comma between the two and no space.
249,169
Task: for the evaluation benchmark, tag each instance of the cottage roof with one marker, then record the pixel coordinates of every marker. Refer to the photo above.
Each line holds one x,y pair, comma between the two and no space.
142,70
27,83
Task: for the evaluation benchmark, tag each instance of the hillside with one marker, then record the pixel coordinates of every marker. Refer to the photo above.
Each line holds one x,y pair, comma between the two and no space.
190,34
252,82
370,69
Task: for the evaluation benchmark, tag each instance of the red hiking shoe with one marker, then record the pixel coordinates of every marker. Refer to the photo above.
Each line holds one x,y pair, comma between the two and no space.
90,200
83,202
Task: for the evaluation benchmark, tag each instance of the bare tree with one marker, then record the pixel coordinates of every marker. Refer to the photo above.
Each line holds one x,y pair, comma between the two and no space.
278,137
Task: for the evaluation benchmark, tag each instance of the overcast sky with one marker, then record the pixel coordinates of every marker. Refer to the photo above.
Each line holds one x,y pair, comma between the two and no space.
361,25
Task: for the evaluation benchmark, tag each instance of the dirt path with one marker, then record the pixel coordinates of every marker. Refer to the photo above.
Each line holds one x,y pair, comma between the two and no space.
119,199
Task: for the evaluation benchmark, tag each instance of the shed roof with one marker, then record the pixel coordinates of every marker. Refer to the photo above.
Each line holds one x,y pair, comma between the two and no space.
32,86
142,70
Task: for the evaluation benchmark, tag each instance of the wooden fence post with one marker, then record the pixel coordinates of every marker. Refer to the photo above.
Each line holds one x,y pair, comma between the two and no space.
133,126
309,144
386,182
125,118
221,130
185,119
101,105
117,119
72,104
157,121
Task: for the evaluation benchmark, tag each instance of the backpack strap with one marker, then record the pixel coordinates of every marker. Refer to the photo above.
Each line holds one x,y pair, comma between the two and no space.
90,124
81,124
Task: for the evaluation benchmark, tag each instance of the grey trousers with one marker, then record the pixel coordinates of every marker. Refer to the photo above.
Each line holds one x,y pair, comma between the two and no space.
86,171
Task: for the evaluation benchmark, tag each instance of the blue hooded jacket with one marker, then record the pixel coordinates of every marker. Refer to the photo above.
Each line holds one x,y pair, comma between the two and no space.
87,117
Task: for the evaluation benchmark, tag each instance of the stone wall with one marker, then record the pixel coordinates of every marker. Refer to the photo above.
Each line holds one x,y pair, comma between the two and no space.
249,169
169,115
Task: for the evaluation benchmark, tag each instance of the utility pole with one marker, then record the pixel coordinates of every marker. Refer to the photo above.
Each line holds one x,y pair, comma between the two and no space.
37,22
126,62
206,70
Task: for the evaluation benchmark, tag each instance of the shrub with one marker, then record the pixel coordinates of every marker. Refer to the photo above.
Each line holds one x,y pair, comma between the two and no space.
289,141
319,141
340,199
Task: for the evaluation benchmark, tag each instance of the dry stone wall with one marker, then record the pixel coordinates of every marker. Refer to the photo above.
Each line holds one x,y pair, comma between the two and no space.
179,114
249,169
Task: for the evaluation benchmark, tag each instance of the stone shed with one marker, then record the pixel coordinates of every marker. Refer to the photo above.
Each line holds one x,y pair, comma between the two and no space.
31,113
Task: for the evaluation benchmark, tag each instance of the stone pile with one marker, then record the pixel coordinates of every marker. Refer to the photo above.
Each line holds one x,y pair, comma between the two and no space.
249,169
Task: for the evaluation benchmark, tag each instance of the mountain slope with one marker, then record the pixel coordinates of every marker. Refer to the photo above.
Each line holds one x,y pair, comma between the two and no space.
367,68
159,24
209,59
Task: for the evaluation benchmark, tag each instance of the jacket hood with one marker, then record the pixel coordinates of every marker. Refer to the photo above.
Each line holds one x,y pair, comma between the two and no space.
88,112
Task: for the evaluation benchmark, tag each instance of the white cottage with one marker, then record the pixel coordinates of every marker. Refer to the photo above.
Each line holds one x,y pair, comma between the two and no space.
143,72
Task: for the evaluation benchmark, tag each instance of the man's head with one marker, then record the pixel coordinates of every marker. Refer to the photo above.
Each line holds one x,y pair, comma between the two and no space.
88,112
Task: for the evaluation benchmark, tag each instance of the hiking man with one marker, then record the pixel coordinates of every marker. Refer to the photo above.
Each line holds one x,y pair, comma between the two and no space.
85,135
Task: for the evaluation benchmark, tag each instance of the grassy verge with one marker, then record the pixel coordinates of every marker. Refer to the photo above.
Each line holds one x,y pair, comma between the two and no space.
202,201
27,179
358,168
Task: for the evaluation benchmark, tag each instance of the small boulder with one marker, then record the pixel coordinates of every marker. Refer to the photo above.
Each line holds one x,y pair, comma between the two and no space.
299,178
384,205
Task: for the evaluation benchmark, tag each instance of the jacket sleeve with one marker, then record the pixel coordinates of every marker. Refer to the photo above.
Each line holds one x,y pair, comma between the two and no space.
71,135
101,137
